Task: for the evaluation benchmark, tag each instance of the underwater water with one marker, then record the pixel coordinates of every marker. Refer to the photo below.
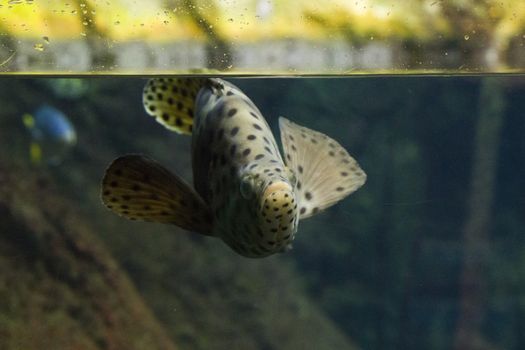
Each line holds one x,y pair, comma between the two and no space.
428,254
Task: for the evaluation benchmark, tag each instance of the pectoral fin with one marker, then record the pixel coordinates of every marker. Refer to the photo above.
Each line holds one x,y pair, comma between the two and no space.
325,172
139,188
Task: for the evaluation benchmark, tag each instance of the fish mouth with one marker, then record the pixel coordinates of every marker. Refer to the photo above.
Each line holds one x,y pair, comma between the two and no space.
278,211
277,186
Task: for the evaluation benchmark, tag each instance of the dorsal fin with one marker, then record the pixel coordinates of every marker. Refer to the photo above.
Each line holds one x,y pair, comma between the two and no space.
139,188
172,101
325,172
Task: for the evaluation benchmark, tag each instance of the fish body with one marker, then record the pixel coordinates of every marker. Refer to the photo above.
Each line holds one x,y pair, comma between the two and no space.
244,191
52,134
239,172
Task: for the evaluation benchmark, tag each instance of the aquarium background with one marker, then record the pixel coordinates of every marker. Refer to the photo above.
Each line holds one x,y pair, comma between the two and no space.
428,254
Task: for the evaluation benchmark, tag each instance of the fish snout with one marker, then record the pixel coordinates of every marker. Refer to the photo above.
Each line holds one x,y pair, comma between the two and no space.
279,210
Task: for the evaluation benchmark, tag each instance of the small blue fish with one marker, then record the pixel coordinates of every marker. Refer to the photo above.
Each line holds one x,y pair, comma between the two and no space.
52,134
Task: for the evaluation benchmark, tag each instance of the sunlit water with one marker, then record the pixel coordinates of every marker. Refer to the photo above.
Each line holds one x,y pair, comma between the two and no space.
428,254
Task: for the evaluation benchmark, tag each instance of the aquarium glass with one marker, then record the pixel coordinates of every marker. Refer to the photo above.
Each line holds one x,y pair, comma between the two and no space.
261,36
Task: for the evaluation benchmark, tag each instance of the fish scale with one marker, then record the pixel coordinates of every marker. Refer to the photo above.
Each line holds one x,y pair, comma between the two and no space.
243,191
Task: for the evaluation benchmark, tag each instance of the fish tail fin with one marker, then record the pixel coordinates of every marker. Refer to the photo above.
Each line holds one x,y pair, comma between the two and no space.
171,101
35,153
138,188
28,120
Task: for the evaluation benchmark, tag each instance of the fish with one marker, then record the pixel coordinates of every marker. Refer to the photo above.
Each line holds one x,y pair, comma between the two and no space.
52,134
245,191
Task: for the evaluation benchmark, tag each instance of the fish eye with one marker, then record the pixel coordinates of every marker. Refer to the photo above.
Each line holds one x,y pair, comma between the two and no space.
246,186
292,177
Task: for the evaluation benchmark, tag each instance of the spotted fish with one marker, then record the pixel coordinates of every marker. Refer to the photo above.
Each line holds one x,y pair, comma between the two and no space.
244,192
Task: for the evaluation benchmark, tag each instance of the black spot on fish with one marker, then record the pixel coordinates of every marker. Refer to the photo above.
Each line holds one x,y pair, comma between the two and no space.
314,141
152,108
170,100
229,93
253,166
232,112
184,92
331,153
303,210
178,121
340,189
234,131
254,115
299,185
165,116
246,152
267,149
251,137
266,140
308,196
160,96
315,210
257,126
149,97
180,106
259,156
293,148
344,173
278,170
233,148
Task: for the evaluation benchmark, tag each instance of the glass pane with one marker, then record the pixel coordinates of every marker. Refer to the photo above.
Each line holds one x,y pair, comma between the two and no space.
261,36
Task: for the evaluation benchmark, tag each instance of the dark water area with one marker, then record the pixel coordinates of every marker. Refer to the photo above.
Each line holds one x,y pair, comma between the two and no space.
428,254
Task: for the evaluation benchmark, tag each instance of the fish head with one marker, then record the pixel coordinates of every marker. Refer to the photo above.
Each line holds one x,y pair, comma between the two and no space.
271,193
